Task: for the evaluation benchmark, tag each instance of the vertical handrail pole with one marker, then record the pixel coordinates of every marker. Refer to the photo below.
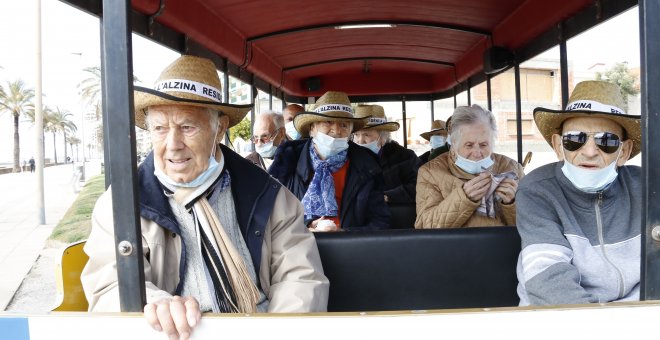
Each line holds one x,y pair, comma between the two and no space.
118,96
518,114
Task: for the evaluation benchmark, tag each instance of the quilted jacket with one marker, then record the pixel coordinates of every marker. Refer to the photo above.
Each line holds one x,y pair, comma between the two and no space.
442,203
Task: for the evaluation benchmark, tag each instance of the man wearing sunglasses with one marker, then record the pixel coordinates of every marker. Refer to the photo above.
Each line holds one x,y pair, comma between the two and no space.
579,218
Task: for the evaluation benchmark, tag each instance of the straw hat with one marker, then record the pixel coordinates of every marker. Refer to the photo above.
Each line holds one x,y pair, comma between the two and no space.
376,120
191,81
437,127
591,99
332,106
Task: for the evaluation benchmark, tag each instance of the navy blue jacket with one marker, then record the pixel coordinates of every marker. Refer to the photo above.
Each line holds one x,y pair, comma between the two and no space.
253,201
400,167
363,206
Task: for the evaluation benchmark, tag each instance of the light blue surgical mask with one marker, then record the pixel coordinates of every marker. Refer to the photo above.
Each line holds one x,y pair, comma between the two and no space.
373,146
291,130
266,150
449,139
212,170
437,141
590,181
329,146
202,178
474,167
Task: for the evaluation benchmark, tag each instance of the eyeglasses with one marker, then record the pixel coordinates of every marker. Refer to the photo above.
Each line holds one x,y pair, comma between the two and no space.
263,138
606,141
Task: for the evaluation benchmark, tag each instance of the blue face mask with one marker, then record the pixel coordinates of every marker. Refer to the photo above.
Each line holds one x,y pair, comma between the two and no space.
329,146
474,167
449,139
437,141
266,150
291,130
373,146
590,181
203,177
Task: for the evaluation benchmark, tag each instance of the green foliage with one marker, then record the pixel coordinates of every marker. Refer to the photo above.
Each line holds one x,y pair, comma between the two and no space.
241,129
620,75
77,222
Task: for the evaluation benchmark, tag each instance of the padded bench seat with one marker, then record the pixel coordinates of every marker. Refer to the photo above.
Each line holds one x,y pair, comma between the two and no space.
420,269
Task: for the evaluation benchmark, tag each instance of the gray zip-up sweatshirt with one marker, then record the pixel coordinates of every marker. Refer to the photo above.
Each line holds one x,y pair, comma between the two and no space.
578,247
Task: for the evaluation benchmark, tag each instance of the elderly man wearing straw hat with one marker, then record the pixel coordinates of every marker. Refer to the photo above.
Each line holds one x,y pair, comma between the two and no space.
437,137
579,218
339,183
398,163
218,233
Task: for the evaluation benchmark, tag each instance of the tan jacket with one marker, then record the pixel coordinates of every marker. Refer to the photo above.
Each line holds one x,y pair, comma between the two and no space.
442,203
291,275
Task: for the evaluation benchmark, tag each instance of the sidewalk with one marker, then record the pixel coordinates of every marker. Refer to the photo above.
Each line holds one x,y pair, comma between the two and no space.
21,237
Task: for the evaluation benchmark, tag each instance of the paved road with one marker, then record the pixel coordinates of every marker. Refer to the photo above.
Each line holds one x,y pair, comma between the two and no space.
21,236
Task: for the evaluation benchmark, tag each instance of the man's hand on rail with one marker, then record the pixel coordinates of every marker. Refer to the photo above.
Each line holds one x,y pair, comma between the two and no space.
175,316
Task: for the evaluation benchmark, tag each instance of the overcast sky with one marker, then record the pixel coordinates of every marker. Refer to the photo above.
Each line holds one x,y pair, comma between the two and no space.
70,42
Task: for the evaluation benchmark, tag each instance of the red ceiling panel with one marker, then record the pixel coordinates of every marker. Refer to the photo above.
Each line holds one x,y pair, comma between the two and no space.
226,27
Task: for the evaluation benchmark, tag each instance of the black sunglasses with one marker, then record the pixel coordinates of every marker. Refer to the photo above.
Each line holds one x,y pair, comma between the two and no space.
606,141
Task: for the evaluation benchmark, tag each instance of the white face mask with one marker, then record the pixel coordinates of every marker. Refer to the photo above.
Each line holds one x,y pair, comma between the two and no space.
473,167
449,139
291,130
328,146
199,180
266,150
590,181
373,146
437,141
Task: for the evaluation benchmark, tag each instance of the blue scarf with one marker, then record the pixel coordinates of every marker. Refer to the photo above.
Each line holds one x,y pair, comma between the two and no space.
319,200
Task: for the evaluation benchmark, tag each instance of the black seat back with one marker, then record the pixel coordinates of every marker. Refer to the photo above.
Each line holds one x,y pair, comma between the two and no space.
420,269
402,216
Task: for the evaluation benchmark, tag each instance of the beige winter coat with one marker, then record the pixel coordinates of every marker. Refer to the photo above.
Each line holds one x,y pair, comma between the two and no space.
442,203
291,275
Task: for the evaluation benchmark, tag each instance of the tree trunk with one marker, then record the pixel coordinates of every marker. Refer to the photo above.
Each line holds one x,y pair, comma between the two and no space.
65,155
17,148
54,148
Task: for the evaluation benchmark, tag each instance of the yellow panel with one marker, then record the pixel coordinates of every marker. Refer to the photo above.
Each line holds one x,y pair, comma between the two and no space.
69,288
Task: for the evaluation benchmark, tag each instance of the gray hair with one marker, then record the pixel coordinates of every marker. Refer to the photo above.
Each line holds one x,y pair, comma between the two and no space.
214,116
470,115
276,117
385,136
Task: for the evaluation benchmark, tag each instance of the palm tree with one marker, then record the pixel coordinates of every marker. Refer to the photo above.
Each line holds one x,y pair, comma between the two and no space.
73,140
58,121
17,99
90,88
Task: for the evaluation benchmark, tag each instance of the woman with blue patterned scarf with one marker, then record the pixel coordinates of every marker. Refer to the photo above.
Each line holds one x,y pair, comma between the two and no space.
339,183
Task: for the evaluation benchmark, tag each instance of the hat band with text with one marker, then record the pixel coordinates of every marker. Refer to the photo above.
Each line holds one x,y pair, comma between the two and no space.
334,107
189,86
591,105
376,120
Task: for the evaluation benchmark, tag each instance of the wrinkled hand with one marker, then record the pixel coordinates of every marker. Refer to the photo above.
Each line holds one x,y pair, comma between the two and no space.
507,190
476,188
175,316
312,225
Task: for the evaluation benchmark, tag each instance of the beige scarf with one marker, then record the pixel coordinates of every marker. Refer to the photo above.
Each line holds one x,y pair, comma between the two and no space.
242,295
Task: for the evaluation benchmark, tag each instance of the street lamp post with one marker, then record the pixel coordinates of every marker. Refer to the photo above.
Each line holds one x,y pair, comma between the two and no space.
82,126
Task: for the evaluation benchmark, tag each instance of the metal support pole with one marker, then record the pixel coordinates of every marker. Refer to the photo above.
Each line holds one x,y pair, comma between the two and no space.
563,65
405,125
270,97
225,75
39,124
489,94
106,141
649,32
455,102
432,111
518,114
469,87
117,60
